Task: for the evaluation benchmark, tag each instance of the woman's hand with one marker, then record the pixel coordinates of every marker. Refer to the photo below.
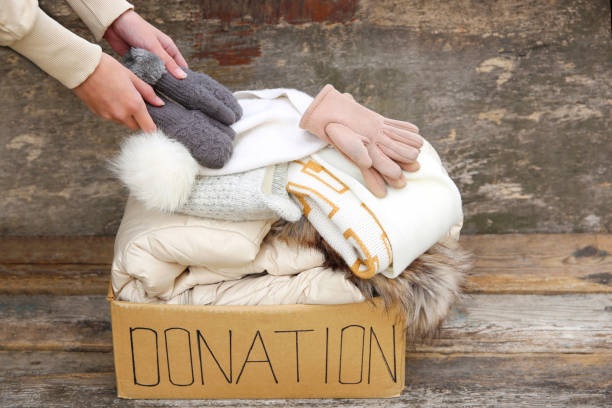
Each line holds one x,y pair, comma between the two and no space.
113,92
131,30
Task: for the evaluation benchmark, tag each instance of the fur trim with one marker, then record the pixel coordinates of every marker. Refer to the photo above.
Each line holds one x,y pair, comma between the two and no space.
157,170
146,65
424,291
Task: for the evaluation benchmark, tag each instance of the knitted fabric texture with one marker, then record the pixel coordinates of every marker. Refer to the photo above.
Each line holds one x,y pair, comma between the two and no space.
343,221
208,141
201,92
258,194
197,91
414,217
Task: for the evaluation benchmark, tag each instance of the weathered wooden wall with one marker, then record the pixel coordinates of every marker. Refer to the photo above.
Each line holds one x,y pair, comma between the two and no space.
516,95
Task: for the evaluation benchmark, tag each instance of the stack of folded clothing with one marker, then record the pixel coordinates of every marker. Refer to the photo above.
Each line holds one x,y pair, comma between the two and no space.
287,220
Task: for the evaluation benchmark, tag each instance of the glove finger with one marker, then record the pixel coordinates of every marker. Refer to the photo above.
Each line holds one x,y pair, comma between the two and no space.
396,183
222,127
399,152
165,114
401,125
403,136
374,182
200,92
208,144
226,97
349,143
410,167
383,164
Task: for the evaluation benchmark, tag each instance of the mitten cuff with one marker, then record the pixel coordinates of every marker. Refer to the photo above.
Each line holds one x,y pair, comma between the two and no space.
146,65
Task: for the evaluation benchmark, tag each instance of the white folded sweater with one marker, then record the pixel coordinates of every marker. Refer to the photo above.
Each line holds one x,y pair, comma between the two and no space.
361,226
268,132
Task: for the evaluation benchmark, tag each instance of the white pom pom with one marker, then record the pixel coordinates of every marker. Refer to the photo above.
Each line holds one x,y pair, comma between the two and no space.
157,170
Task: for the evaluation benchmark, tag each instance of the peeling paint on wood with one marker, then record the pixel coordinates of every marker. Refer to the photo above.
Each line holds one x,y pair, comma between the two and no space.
278,11
514,95
236,47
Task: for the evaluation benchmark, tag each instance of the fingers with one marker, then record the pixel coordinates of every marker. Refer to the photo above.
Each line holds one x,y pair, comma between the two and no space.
349,143
374,182
399,152
147,92
171,49
403,136
396,183
116,42
131,123
383,164
142,117
171,66
401,125
410,167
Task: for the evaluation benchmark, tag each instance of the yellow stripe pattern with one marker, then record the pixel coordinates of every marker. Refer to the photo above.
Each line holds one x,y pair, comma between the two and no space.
345,222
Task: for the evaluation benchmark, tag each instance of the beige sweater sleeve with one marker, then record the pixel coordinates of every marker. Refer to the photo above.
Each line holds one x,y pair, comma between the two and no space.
62,54
99,14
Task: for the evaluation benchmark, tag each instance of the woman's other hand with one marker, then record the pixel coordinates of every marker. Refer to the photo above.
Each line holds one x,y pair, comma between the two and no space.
113,92
131,30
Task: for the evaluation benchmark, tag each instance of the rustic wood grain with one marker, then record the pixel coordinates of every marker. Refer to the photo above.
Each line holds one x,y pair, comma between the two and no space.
54,279
61,379
527,324
481,323
538,263
512,263
56,250
515,96
55,323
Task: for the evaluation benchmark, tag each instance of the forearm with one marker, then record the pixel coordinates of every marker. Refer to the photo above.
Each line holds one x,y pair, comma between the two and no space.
57,51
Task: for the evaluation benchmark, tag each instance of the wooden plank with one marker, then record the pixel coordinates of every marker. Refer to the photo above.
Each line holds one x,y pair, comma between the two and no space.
482,323
58,379
55,279
540,263
55,323
527,323
53,363
56,250
513,263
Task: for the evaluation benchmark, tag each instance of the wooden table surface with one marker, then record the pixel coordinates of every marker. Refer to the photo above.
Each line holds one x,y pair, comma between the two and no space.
535,328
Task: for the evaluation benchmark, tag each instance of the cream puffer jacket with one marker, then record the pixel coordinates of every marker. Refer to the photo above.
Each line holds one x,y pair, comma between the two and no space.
176,258
60,53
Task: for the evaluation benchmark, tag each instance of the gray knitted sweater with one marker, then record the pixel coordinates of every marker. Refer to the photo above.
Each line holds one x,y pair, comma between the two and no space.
253,195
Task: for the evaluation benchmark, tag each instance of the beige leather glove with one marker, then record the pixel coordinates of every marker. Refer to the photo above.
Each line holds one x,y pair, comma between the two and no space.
379,146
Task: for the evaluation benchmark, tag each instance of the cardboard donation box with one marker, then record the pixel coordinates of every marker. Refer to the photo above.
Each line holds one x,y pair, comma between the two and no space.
290,351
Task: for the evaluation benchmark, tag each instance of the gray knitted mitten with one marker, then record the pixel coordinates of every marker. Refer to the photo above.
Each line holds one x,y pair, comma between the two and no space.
258,194
208,141
197,91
